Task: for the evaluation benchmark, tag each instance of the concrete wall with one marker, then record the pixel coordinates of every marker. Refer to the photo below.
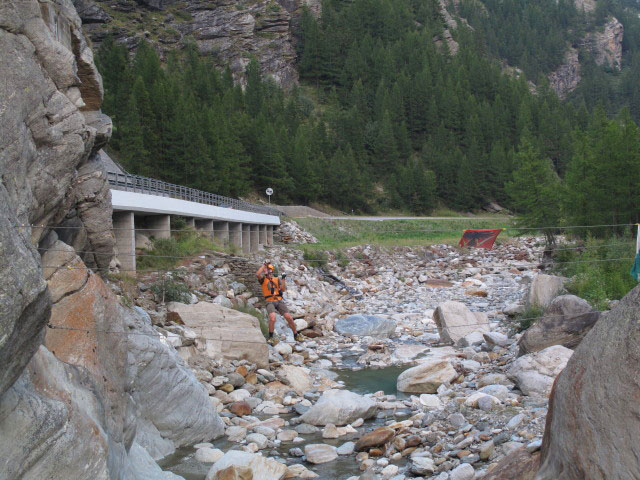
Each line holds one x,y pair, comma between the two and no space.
235,234
205,227
158,226
262,237
255,237
221,233
246,238
124,229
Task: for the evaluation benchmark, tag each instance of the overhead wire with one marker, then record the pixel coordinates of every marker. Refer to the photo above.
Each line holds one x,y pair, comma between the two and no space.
458,230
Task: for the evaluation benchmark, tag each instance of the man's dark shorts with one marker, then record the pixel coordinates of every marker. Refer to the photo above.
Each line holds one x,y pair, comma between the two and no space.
277,305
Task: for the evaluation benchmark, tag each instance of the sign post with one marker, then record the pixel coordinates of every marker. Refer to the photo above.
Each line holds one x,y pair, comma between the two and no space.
269,192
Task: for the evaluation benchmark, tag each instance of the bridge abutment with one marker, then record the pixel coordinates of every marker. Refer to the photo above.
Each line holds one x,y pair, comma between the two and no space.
255,237
222,233
246,238
158,226
235,234
270,229
205,226
262,229
125,233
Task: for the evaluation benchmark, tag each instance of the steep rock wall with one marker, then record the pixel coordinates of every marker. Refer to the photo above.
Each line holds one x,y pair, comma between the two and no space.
68,408
48,78
229,31
605,46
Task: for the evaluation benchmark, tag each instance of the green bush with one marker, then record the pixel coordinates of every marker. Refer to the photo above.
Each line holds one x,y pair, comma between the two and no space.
167,252
264,324
524,320
183,15
599,271
315,258
341,258
170,290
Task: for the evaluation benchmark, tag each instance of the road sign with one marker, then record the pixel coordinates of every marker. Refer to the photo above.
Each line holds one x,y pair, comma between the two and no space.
269,193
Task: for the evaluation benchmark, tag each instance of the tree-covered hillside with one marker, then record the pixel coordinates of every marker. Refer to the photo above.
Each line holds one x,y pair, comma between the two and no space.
534,37
385,118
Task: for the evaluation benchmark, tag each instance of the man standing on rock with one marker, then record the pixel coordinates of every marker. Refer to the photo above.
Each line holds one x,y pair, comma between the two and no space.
272,289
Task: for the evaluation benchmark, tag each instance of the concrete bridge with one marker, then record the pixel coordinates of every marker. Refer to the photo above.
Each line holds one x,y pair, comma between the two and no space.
146,205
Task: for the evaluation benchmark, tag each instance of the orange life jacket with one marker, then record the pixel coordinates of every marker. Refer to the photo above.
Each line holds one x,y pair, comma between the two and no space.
271,289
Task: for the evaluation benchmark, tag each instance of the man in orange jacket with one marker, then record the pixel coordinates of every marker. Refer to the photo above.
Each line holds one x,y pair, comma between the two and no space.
273,289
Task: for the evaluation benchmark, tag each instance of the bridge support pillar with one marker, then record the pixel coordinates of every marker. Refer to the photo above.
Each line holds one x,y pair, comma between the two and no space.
221,232
269,234
255,237
246,238
158,225
263,235
191,222
124,229
235,234
205,226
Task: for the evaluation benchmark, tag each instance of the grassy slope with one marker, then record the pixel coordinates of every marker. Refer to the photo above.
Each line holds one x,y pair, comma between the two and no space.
335,234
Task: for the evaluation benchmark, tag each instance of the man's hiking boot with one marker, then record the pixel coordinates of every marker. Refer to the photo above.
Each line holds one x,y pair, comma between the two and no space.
273,341
299,338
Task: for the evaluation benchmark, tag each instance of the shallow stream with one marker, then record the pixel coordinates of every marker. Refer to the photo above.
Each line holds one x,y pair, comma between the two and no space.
362,381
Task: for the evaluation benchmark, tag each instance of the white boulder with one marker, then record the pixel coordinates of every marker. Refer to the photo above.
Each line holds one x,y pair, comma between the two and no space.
534,373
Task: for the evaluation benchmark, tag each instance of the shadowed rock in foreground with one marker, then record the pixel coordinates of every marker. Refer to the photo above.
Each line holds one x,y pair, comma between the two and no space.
594,413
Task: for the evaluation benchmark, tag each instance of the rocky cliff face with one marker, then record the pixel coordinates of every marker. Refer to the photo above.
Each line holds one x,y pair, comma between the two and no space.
604,45
230,32
47,132
567,77
71,400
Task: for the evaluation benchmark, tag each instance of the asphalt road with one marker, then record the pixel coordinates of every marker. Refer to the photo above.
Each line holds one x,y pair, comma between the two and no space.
379,219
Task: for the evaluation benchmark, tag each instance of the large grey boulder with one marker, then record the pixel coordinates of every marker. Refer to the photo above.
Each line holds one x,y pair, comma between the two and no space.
225,333
565,322
455,321
339,407
594,415
544,289
365,325
173,408
534,373
426,377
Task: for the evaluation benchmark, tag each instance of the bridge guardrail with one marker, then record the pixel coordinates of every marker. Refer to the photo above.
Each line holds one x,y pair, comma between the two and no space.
151,186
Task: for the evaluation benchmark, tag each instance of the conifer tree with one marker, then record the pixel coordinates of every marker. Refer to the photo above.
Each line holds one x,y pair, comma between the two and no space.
535,191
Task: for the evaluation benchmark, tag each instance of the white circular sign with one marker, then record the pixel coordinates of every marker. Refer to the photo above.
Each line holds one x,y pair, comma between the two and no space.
269,191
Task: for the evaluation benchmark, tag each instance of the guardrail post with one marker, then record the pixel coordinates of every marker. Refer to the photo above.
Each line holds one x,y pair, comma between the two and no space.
125,233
